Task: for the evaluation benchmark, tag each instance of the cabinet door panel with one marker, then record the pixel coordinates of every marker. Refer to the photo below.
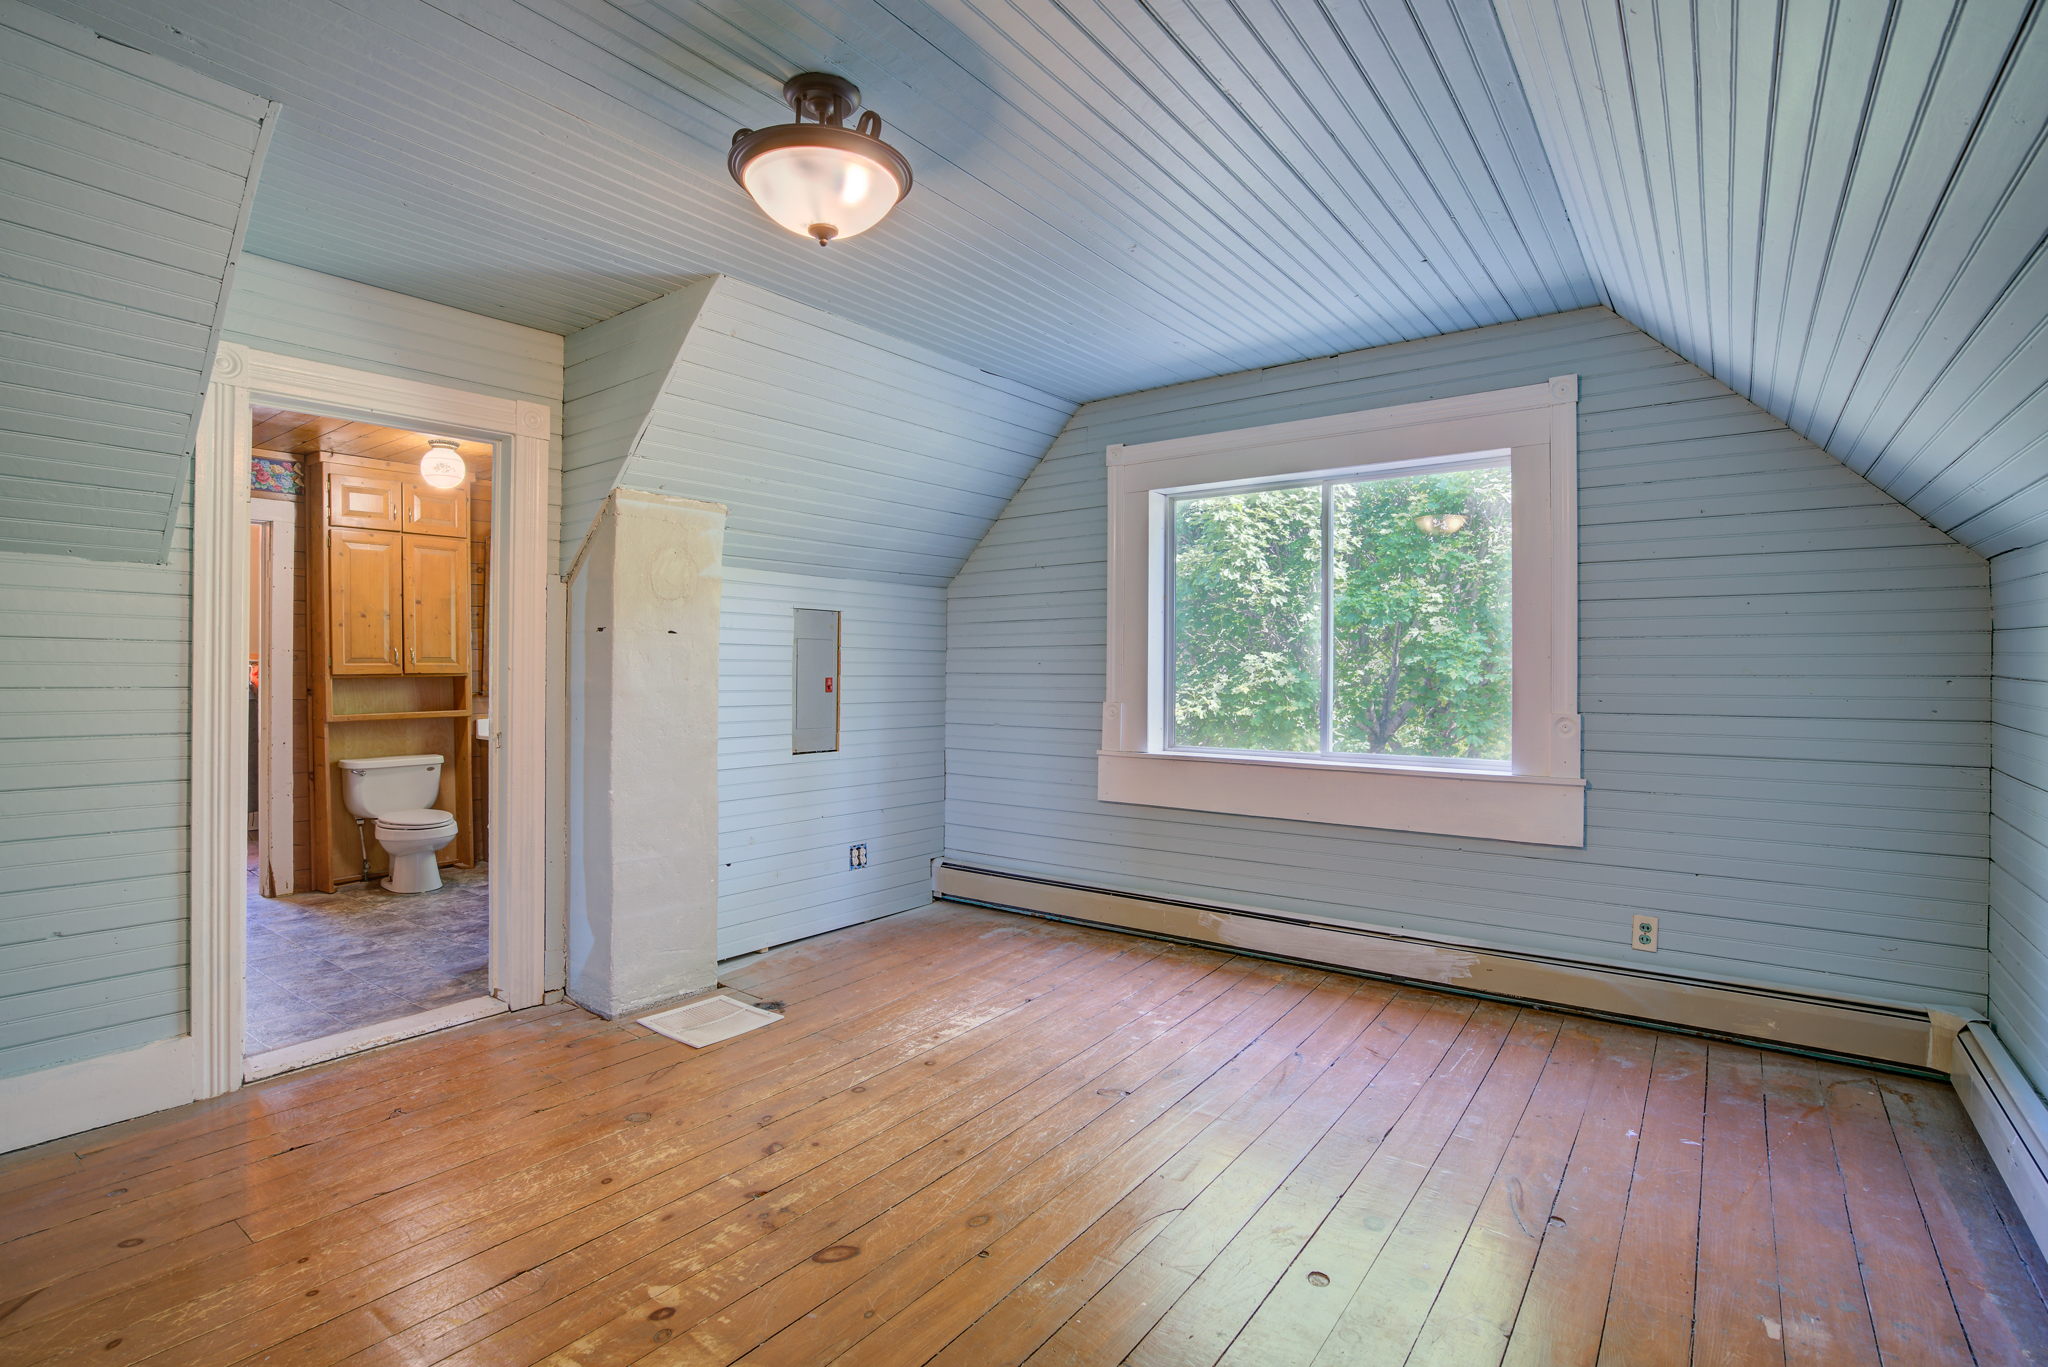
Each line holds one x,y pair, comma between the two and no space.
365,602
436,605
435,512
364,498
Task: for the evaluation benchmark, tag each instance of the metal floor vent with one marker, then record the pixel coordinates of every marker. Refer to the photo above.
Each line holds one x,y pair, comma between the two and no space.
709,1021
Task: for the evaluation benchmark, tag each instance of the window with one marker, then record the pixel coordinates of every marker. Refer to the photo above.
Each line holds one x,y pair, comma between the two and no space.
1364,620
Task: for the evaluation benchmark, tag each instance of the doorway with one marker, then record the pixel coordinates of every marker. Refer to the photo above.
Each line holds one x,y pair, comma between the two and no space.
325,933
368,899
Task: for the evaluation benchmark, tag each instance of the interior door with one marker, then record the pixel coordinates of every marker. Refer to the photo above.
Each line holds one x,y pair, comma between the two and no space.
365,598
437,621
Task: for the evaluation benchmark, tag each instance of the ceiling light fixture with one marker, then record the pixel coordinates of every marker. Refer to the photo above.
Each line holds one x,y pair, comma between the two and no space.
442,464
821,179
1441,524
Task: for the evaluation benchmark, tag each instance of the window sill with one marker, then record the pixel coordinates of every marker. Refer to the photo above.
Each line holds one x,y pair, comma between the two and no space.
1527,808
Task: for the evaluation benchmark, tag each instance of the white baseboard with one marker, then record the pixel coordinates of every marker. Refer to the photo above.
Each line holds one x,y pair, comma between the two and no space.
295,1056
1888,1032
2010,1118
72,1097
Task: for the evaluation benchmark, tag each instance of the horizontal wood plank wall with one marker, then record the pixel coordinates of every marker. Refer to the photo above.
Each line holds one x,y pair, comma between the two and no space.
123,182
2019,808
785,821
95,713
1784,685
126,181
613,374
857,472
294,312
837,450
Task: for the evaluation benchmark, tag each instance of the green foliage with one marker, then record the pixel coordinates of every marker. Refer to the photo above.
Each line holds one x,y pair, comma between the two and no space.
1420,619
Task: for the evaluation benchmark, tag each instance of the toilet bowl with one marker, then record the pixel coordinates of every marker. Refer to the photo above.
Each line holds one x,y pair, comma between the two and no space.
412,839
391,791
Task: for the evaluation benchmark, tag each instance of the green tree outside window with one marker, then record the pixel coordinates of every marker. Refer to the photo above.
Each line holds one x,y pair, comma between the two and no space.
1419,617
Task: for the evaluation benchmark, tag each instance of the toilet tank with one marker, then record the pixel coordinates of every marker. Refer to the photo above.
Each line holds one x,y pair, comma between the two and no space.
389,783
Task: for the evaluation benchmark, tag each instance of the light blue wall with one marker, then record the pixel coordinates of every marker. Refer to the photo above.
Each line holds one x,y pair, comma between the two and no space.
123,181
857,471
1842,220
95,707
839,451
1784,686
614,376
2019,807
280,308
785,821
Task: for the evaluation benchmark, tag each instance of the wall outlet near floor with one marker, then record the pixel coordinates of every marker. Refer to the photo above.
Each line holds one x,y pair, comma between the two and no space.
1643,933
856,856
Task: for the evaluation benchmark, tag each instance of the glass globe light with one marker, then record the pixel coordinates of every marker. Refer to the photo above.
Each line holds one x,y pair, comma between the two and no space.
442,465
821,179
1442,524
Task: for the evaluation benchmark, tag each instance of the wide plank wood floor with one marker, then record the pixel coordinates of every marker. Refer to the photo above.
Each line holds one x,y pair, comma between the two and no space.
980,1139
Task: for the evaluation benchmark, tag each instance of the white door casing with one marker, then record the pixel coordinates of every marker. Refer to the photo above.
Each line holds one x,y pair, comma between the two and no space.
519,431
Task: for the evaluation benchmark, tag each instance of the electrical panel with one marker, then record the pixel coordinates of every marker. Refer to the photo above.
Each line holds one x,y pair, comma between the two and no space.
814,683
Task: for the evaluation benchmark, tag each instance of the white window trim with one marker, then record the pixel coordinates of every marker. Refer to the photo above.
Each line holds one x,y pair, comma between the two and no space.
1541,801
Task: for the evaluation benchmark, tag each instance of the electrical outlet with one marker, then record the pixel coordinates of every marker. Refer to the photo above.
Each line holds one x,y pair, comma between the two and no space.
1643,934
856,856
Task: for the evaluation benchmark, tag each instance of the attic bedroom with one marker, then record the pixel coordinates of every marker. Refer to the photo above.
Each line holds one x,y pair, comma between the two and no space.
1273,683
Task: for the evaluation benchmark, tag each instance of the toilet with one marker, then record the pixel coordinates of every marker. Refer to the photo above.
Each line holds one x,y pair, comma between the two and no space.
393,791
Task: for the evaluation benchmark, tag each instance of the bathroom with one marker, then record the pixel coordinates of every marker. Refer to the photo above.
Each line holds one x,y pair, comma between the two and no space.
368,888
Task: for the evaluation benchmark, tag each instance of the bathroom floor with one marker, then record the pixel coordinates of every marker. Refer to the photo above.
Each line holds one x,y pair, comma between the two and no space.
321,963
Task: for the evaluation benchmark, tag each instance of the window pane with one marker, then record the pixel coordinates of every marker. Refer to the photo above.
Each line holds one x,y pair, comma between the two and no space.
1247,620
1420,627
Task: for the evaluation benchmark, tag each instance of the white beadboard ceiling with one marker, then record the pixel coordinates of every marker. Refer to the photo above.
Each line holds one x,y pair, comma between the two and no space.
1109,196
1838,207
124,189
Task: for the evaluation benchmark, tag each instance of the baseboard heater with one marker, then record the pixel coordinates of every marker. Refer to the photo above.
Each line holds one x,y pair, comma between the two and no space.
2010,1118
1906,1037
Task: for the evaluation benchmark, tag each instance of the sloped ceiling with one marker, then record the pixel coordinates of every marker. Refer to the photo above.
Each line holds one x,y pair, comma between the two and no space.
1840,209
836,450
1110,195
124,185
1836,206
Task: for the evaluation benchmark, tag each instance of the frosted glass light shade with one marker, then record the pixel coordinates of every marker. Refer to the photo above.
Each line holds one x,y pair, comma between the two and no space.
818,177
833,189
442,466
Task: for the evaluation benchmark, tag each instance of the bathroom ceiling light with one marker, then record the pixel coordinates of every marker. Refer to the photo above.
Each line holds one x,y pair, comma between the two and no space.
821,179
442,465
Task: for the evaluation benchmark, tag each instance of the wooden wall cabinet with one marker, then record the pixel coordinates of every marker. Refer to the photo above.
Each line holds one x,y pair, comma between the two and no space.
387,500
436,605
366,603
427,511
392,598
358,497
398,574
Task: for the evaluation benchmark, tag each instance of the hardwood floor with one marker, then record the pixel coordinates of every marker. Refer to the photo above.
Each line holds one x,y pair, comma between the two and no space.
980,1139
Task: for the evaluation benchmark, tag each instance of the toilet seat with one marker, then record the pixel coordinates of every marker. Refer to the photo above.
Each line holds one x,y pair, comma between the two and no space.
418,820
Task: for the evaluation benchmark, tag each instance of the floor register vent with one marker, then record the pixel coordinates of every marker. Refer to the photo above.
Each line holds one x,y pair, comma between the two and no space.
709,1021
